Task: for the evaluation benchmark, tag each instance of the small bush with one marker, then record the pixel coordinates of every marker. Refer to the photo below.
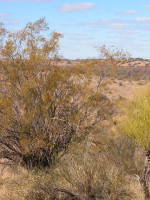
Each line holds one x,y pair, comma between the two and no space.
120,84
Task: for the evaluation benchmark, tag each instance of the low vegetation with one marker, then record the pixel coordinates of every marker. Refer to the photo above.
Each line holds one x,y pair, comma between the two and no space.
136,125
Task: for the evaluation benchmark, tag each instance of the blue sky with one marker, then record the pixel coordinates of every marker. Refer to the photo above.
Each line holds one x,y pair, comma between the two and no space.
86,24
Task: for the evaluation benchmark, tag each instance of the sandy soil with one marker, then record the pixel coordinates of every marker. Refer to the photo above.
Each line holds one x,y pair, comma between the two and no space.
124,89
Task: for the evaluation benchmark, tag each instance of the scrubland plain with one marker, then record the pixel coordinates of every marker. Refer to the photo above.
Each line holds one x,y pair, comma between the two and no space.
71,130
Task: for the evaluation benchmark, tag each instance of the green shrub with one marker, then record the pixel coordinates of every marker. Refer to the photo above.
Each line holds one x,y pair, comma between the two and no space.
136,123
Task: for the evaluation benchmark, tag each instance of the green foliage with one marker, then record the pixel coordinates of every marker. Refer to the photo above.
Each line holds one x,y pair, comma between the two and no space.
136,123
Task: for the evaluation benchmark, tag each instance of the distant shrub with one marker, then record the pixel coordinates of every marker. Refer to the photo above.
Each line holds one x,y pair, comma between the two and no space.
120,84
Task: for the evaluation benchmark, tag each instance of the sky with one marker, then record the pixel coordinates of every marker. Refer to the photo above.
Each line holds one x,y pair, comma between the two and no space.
86,24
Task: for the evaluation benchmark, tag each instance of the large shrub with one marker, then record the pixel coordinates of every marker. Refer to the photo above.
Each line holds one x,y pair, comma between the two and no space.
42,106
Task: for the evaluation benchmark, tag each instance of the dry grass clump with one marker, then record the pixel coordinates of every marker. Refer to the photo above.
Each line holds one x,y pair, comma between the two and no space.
98,168
95,179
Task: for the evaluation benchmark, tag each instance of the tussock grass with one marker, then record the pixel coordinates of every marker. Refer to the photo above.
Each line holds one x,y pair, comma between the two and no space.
86,171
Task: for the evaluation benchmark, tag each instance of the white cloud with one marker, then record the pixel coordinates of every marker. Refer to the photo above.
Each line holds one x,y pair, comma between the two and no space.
128,12
76,7
117,26
5,17
2,18
4,14
84,37
9,20
103,21
91,23
143,19
121,27
125,33
147,7
97,22
118,23
13,21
